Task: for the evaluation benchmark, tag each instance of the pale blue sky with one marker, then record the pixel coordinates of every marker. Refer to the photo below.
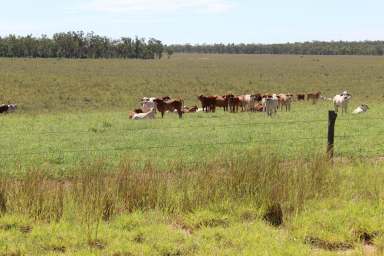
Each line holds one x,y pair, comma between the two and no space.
200,21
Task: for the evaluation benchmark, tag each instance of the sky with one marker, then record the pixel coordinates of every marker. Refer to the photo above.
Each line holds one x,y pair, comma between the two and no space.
200,21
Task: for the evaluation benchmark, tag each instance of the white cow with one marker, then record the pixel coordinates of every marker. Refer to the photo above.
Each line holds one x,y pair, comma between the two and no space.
148,115
245,102
361,109
342,101
270,104
148,103
285,100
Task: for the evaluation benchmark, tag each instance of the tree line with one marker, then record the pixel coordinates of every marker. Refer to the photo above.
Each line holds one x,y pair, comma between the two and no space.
306,48
77,44
80,45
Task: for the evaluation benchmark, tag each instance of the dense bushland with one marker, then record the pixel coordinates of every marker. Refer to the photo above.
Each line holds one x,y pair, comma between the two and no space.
305,48
80,45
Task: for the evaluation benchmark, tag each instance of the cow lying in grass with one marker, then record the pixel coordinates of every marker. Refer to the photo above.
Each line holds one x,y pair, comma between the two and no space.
7,108
193,109
361,109
148,115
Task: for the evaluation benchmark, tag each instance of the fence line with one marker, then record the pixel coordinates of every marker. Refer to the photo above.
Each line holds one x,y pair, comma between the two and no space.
128,148
163,128
164,146
137,129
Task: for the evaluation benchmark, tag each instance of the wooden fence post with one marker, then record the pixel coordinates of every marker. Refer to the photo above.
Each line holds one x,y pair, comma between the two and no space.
331,133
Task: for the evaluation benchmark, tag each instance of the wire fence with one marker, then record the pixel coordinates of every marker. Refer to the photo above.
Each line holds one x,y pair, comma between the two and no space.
137,129
265,140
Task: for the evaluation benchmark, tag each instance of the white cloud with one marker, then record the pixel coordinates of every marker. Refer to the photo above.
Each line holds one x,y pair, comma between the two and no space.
158,6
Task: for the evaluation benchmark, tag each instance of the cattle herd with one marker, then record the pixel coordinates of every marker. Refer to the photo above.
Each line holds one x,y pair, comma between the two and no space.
268,103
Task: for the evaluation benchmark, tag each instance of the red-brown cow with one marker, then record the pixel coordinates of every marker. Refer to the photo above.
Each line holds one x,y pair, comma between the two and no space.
300,97
221,102
169,105
208,103
314,96
233,103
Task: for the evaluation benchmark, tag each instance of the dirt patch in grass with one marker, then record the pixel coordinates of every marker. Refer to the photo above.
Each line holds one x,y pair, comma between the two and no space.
211,223
22,229
97,244
25,229
55,248
274,215
328,245
139,238
122,254
366,237
11,254
7,227
247,216
178,224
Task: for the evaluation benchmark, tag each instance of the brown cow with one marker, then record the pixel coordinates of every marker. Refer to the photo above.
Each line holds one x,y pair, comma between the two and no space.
208,103
255,99
233,103
138,111
300,97
258,107
190,110
221,102
169,105
314,97
284,101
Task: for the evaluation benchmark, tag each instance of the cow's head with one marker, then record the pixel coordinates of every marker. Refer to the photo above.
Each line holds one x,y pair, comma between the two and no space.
158,101
12,107
347,96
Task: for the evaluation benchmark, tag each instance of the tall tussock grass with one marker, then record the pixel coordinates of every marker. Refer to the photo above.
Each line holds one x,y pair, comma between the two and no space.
94,193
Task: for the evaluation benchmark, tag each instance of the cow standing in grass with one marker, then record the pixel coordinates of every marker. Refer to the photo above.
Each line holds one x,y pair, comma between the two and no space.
285,101
169,105
270,104
315,96
208,103
221,102
342,101
233,103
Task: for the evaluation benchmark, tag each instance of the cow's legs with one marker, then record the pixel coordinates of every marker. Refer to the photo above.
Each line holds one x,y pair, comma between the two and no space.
180,113
162,114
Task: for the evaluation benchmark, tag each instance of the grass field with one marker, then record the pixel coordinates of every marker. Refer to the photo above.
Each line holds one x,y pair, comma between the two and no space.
79,178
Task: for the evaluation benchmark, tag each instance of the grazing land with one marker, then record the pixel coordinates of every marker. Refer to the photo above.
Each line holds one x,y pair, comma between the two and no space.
79,178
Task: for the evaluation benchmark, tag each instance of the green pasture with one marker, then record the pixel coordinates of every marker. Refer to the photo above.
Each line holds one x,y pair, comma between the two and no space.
63,141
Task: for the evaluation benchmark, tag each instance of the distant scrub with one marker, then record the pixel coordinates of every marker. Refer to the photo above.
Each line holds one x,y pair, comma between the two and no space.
306,48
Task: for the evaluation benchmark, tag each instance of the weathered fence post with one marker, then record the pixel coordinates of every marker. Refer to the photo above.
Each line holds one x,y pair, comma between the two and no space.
331,133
